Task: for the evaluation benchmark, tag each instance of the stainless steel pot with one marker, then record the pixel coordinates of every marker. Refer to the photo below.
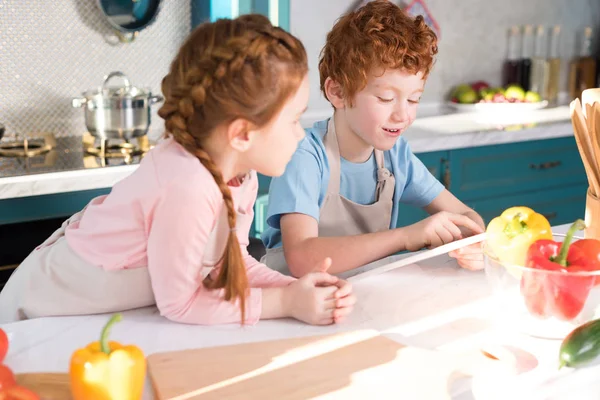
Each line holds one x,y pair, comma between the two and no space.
121,112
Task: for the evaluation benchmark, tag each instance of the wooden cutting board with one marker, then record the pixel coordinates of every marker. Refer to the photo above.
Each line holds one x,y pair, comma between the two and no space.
357,364
49,386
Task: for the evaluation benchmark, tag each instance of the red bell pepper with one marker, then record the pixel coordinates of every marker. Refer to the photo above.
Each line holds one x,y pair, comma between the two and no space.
591,247
3,345
551,285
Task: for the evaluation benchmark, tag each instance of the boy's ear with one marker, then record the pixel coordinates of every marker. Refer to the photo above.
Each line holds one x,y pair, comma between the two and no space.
334,93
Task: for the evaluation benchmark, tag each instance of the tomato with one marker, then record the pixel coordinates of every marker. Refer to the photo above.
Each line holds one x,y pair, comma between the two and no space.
7,378
3,345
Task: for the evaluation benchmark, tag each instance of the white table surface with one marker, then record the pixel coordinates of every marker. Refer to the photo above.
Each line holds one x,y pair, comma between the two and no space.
434,304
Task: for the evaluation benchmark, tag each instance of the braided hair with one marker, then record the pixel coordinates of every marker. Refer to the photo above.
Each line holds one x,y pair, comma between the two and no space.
243,68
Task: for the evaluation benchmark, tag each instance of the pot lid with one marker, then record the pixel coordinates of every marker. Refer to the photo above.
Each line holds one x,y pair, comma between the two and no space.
126,89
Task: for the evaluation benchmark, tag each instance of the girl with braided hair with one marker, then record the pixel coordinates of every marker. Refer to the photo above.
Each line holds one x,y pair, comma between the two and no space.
174,233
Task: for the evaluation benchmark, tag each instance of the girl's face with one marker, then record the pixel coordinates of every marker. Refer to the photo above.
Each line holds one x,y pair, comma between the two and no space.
273,146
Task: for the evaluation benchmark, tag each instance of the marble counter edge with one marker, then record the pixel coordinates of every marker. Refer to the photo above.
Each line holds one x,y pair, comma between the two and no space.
62,182
423,141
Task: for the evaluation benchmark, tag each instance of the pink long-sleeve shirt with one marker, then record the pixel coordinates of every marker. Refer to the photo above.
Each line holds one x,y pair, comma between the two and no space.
160,217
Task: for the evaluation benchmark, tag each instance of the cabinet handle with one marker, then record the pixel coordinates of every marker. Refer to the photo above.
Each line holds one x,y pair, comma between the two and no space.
447,177
551,215
546,165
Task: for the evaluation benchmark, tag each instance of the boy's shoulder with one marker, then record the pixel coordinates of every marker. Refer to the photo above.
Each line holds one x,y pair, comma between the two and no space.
313,144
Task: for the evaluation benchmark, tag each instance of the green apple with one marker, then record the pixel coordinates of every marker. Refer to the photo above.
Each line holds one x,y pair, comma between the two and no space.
460,89
514,92
532,97
467,97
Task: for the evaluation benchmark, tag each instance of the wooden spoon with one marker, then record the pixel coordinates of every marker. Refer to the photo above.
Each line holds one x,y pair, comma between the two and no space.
584,144
594,134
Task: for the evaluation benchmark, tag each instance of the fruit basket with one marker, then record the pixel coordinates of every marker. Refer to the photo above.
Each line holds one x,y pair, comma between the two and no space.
497,107
480,97
540,297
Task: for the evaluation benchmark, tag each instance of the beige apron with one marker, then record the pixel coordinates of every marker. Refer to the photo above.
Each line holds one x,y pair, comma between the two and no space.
53,280
339,216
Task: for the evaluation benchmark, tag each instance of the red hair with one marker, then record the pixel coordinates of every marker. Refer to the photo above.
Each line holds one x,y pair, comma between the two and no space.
378,35
241,68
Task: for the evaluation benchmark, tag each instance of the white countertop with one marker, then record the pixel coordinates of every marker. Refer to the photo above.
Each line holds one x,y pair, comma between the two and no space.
434,304
435,129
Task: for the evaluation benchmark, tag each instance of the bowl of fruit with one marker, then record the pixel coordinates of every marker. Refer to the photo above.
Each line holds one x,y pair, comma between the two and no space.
544,283
481,97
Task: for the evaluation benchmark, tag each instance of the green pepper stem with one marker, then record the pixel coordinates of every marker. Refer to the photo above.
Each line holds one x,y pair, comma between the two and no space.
564,248
105,331
515,227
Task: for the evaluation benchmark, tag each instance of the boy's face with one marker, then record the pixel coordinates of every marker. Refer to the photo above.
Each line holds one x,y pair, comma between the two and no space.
385,108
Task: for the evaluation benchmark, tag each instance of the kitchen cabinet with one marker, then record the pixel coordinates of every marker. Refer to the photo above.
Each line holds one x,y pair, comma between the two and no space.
35,208
546,175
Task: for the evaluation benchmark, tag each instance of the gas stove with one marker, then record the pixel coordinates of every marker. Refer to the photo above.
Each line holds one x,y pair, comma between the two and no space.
44,153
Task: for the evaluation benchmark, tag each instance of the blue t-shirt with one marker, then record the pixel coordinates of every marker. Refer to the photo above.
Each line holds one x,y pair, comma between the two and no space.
303,186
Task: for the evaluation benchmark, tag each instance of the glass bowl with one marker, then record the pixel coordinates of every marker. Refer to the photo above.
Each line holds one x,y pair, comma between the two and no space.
541,303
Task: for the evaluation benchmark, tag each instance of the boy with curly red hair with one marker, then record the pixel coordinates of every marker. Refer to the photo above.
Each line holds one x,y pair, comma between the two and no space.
339,195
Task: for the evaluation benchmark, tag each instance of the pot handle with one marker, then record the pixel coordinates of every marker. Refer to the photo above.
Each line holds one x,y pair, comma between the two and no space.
155,99
116,74
78,102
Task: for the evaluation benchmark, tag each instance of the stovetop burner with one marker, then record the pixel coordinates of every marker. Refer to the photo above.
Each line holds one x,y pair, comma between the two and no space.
107,148
45,153
28,146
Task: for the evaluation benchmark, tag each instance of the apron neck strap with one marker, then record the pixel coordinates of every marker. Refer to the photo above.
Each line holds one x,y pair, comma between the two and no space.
332,150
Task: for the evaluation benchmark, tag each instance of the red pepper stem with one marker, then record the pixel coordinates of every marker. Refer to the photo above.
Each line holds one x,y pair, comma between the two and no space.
564,248
104,335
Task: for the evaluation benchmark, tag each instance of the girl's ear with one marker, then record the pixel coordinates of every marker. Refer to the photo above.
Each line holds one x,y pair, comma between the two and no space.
239,134
334,93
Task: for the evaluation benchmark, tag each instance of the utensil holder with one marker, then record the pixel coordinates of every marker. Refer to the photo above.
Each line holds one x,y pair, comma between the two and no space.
592,216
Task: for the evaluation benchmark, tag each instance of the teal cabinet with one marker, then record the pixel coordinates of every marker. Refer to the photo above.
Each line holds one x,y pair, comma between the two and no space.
484,172
278,11
35,208
546,175
558,205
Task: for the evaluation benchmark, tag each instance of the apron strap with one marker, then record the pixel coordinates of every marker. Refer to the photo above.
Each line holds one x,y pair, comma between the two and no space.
332,150
333,157
382,173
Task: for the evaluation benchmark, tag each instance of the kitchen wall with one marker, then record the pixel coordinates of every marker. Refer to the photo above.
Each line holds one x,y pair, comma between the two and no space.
52,50
473,36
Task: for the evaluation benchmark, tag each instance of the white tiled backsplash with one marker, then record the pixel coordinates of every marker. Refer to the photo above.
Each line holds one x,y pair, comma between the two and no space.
52,50
473,36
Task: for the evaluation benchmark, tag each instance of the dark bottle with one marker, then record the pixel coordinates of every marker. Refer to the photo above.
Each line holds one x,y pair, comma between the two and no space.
526,56
510,69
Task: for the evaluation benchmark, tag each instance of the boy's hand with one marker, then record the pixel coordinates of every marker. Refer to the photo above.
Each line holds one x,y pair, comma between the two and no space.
440,228
469,257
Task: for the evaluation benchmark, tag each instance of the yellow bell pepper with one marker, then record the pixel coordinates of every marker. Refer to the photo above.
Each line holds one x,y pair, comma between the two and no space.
106,370
509,235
